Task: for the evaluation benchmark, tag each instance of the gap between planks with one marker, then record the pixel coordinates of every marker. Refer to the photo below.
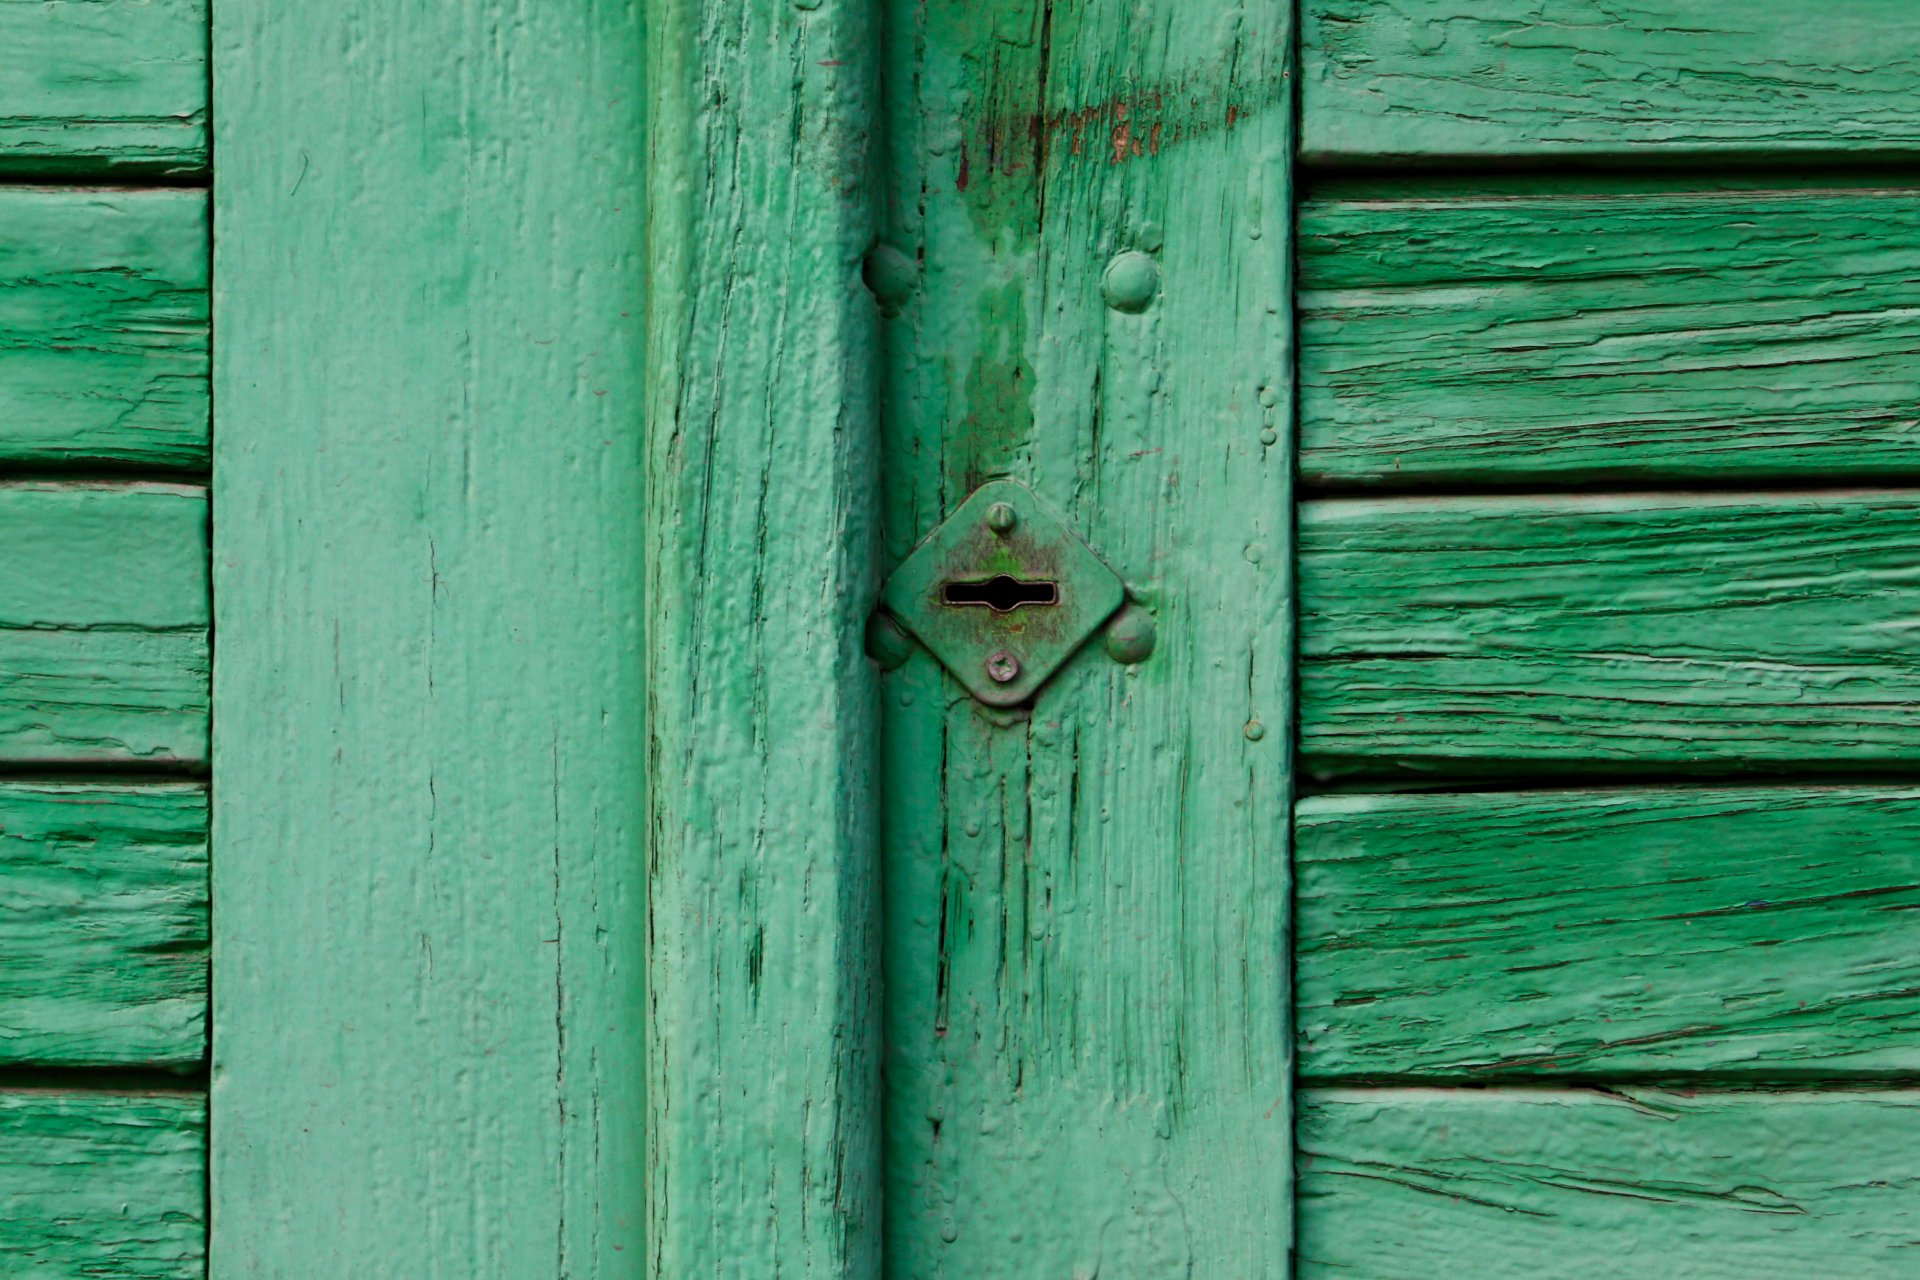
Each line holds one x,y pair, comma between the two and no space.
1396,183
189,1082
1831,484
120,180
1656,777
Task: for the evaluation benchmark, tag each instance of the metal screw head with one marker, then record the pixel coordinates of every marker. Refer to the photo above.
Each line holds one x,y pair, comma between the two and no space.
1003,667
1001,518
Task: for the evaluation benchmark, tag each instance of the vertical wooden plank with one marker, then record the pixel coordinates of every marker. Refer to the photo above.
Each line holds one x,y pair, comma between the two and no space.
1086,260
427,863
762,1026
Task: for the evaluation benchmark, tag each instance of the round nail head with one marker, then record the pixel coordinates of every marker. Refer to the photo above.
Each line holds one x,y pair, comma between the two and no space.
1130,635
891,276
1132,280
887,644
1003,667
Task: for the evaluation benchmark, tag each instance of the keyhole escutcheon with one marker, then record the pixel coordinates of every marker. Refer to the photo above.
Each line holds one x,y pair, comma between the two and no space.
1002,593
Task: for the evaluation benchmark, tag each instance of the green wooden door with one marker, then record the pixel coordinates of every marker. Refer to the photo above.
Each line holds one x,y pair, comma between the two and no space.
1086,1067
540,399
1609,701
939,989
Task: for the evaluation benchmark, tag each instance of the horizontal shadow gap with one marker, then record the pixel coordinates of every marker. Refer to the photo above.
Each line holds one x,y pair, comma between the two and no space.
190,1079
1706,1082
102,471
1838,484
119,177
1614,173
1835,777
105,773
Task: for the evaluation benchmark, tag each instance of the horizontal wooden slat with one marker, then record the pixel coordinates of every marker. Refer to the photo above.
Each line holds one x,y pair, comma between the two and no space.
109,1187
1607,630
1525,79
1602,336
103,924
103,326
1613,932
1632,1185
89,86
103,623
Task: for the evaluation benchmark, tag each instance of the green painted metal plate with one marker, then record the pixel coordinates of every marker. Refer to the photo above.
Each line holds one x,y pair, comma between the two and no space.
1002,593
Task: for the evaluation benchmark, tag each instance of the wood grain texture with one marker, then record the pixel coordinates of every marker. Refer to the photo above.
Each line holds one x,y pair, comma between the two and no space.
1601,630
1640,1184
1086,263
1609,933
1665,79
429,778
103,623
103,326
103,86
1513,339
762,1027
109,1187
104,924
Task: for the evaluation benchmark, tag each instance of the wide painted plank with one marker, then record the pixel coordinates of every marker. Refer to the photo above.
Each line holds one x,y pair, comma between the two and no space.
103,307
104,615
1665,79
103,923
1086,268
1610,631
429,777
103,86
763,1024
1609,933
1638,1184
1634,334
105,1186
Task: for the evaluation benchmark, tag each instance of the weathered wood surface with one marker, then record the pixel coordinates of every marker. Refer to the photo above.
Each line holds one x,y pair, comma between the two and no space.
103,86
103,1186
103,924
103,326
1673,79
1638,334
103,623
1609,933
763,1030
1715,630
1086,262
1641,1184
428,779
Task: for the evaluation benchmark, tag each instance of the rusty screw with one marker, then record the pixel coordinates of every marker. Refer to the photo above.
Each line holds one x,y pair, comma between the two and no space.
1003,667
1001,519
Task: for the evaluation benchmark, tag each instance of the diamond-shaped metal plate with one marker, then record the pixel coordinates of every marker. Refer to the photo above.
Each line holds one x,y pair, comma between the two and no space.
1001,530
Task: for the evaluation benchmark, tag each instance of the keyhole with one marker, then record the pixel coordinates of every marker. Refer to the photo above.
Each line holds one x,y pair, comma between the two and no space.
1002,594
